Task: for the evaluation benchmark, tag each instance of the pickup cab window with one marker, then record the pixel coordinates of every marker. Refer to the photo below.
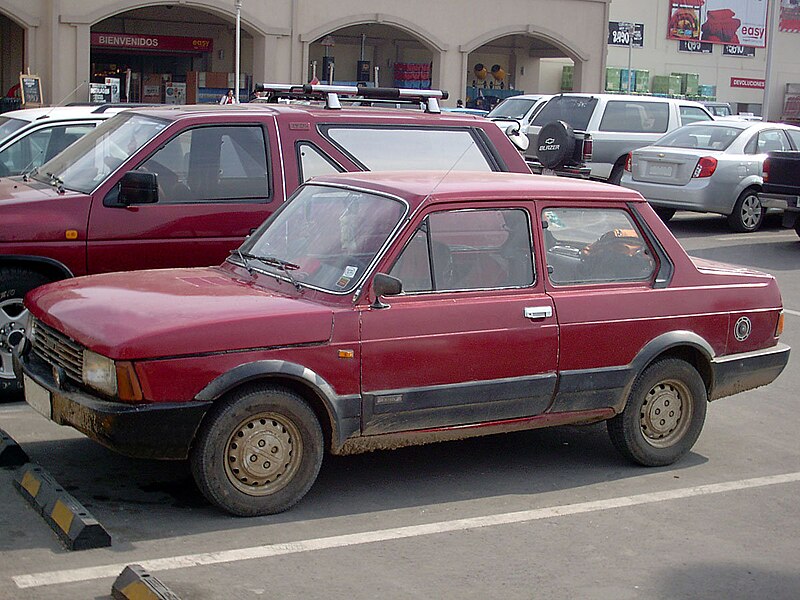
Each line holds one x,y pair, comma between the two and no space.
211,164
412,148
594,245
635,117
465,250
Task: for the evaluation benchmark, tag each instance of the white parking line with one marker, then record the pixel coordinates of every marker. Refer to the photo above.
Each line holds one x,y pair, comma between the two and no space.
762,235
791,312
383,535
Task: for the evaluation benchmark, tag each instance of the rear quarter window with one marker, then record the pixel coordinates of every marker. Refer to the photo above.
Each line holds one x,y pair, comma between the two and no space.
635,117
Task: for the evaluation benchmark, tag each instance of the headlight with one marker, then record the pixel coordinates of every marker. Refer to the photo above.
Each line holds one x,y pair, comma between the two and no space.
99,373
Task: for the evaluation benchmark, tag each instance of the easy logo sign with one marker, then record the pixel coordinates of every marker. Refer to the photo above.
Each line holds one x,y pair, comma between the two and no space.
735,22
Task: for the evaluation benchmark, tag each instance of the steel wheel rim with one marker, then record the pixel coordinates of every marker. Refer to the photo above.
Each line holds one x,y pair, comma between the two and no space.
13,327
751,211
666,413
263,453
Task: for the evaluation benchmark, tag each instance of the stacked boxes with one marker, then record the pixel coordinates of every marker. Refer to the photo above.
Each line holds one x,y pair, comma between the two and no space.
667,84
625,74
613,79
707,91
642,81
689,83
567,72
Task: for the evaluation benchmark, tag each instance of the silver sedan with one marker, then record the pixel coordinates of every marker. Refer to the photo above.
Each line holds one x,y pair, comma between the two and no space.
710,166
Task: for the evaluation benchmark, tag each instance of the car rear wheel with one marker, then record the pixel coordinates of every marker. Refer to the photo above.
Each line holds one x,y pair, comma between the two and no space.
748,213
663,416
665,214
14,317
259,452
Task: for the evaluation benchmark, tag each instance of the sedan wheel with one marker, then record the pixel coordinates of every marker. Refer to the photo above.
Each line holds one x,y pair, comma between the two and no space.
748,213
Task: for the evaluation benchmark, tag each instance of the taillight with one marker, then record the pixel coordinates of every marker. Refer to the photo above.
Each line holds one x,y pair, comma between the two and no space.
765,171
588,146
705,167
628,161
779,326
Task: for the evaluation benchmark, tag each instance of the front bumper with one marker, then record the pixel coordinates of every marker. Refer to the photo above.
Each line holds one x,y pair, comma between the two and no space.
162,430
740,372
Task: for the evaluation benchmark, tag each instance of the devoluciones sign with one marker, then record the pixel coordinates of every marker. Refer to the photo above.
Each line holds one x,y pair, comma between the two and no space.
736,22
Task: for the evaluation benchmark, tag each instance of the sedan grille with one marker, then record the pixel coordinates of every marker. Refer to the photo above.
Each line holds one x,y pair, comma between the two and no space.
57,349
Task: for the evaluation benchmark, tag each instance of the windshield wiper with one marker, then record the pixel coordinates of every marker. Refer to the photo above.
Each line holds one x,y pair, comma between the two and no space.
272,261
55,180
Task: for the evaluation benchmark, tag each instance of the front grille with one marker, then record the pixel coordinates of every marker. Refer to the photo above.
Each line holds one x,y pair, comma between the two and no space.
57,349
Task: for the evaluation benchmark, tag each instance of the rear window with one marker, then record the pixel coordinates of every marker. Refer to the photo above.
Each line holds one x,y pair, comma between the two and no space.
575,110
635,117
704,137
410,148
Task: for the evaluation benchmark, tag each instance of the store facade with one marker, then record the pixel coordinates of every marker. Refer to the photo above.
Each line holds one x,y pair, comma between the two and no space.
78,45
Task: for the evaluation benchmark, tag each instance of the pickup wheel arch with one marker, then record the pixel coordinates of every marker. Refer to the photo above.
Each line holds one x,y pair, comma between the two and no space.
338,416
684,345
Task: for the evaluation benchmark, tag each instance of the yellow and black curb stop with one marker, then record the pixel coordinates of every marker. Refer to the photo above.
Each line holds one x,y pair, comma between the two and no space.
76,527
11,455
134,583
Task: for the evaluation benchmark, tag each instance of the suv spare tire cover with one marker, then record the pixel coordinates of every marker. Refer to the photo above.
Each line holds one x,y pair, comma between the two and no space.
556,144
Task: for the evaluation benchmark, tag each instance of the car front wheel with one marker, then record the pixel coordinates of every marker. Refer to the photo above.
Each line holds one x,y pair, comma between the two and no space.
259,452
663,416
748,213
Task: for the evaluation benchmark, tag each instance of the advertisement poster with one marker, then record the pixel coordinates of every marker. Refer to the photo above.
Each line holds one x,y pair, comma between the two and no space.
736,22
790,16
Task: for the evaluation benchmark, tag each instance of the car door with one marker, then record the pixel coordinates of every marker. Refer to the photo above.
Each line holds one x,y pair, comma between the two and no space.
214,187
473,338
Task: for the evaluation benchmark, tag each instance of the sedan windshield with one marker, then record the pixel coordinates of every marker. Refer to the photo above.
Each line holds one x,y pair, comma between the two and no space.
702,137
511,108
84,165
9,126
325,237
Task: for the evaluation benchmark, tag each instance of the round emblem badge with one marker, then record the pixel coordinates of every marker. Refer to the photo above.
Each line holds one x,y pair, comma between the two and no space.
742,329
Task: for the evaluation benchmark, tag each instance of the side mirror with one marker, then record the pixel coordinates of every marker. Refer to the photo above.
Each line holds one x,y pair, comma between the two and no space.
514,133
385,285
137,187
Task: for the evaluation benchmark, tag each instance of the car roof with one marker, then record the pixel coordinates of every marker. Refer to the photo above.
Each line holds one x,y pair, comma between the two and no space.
630,98
742,124
417,186
54,113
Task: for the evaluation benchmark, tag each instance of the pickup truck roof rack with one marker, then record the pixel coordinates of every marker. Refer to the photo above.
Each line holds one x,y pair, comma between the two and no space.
333,95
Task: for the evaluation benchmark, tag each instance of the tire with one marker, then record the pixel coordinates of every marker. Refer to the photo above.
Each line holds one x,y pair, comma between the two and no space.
273,422
14,284
665,214
652,430
748,214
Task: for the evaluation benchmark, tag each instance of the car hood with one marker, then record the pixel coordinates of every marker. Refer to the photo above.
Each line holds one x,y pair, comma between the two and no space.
175,312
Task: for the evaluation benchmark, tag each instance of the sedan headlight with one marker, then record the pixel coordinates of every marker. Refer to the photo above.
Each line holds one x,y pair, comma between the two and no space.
99,373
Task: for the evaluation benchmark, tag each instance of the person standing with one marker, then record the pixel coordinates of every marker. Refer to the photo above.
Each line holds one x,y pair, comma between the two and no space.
228,98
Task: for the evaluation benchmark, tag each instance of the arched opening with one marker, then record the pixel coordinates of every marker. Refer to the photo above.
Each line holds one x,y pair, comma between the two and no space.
516,64
356,51
170,54
12,61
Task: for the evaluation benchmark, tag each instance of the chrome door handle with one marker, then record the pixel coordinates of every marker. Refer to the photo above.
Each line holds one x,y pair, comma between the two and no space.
538,312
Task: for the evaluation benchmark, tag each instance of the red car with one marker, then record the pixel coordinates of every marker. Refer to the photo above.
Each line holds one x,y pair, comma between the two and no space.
377,310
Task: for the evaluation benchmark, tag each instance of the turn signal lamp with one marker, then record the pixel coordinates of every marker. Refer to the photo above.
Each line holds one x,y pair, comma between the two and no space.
779,326
705,167
128,388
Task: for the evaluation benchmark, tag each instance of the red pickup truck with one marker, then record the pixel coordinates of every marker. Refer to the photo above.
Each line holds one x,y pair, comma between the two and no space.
377,310
182,186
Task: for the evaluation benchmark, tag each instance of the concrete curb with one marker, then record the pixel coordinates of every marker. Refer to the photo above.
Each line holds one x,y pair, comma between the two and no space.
76,527
11,455
134,583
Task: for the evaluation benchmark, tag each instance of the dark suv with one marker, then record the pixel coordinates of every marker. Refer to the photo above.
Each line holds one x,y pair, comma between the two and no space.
181,186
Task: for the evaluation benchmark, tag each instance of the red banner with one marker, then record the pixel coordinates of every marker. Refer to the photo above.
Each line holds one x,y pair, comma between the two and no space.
790,16
151,43
745,82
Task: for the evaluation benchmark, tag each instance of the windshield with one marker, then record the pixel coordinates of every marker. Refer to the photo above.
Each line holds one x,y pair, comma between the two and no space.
575,110
511,108
702,137
9,126
85,164
330,234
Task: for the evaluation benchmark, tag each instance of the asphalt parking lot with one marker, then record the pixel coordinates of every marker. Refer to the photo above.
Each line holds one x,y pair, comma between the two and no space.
553,513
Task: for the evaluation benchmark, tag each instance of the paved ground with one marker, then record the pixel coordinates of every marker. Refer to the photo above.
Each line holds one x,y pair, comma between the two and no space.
545,514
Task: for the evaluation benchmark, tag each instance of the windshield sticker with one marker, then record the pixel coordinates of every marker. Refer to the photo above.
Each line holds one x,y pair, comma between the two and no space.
347,275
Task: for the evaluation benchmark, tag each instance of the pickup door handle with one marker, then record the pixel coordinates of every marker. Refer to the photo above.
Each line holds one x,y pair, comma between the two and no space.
538,312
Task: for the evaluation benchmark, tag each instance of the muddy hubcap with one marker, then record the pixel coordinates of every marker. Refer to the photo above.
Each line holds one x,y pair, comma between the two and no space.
263,454
13,323
751,212
665,414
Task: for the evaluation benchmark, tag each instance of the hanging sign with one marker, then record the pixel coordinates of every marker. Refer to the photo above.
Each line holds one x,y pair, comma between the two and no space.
619,34
695,47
